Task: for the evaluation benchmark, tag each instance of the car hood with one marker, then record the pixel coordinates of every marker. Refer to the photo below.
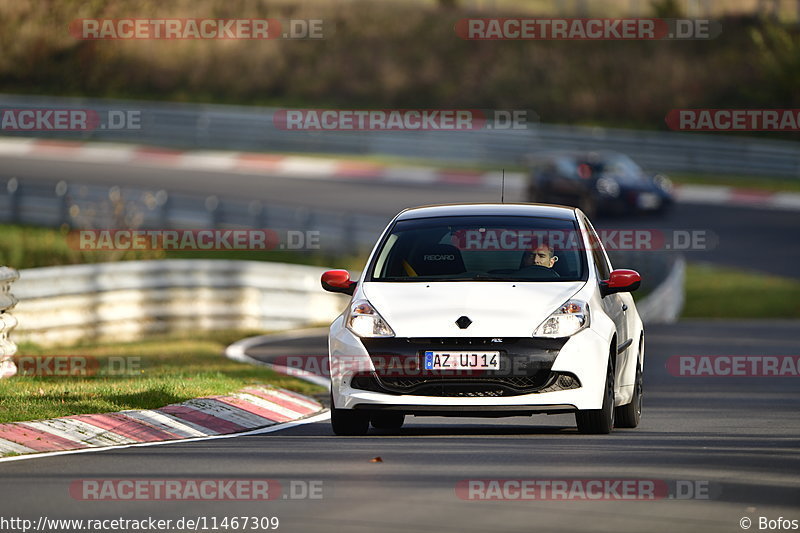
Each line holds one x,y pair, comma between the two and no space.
497,309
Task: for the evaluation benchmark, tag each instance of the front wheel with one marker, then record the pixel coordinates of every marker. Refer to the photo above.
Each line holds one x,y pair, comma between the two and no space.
599,421
347,422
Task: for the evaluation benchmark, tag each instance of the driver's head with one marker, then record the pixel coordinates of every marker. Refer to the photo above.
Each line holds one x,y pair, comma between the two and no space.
542,255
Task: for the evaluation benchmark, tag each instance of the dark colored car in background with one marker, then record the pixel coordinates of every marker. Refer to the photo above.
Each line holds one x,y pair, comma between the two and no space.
597,182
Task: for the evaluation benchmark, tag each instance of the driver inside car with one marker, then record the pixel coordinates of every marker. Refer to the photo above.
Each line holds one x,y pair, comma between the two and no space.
542,255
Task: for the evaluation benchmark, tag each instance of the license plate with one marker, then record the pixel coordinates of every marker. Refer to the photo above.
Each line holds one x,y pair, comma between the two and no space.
462,361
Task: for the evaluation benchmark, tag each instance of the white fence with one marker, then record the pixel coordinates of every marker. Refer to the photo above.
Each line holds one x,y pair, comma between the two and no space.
127,300
7,322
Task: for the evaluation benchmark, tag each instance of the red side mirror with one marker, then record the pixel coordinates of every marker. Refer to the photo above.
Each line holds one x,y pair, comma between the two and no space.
621,281
338,281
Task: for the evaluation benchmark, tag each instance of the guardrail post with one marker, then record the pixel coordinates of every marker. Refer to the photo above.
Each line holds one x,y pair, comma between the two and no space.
310,221
259,214
212,206
7,322
14,197
164,201
61,192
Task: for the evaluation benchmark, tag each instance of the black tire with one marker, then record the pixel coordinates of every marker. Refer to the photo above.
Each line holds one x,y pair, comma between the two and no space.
387,420
599,421
629,415
349,423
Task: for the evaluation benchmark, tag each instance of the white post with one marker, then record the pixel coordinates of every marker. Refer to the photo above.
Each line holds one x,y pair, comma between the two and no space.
7,322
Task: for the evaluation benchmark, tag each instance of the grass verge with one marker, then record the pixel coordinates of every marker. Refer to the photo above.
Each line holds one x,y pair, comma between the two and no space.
32,247
745,182
721,292
150,374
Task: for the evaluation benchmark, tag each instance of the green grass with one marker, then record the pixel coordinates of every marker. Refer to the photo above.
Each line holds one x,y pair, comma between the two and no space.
720,292
31,247
746,182
170,369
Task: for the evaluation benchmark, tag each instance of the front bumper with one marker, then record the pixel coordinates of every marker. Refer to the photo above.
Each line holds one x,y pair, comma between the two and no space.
540,366
630,200
525,367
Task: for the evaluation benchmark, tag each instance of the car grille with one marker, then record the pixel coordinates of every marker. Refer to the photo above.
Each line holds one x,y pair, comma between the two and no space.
434,342
525,367
458,387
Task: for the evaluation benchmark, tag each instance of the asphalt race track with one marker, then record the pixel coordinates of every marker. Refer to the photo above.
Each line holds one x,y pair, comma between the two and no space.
762,240
732,441
724,448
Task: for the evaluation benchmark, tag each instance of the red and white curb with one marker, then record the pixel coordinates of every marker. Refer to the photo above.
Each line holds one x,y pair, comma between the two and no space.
732,196
250,409
336,169
250,163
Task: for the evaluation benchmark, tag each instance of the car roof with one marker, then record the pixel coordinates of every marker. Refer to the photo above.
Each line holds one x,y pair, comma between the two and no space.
489,209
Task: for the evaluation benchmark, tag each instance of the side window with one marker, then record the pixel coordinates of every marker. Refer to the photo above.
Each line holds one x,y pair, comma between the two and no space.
566,168
603,268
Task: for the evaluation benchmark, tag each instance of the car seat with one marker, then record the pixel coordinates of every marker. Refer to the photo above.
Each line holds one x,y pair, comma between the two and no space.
437,260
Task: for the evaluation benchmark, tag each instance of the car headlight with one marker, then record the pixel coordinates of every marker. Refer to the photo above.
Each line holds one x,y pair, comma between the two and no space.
365,321
608,187
568,319
663,182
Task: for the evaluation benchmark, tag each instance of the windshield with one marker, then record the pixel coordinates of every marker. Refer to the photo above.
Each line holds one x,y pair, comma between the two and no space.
481,248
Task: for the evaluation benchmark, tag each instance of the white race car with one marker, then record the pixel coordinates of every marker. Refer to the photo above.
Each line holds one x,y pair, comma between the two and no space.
486,310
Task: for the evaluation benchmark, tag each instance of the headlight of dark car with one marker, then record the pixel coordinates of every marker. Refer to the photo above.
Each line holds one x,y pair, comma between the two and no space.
663,183
608,187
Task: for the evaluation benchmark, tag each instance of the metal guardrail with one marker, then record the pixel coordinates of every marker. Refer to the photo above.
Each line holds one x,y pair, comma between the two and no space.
130,299
251,128
7,321
664,304
57,202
